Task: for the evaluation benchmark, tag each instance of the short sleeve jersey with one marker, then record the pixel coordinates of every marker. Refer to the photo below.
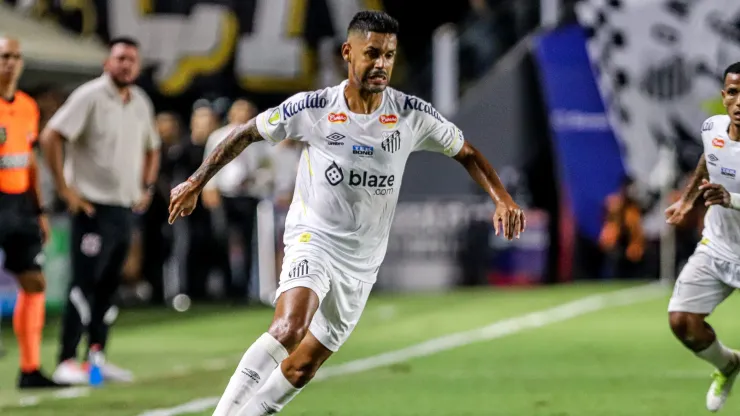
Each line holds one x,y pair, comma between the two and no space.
19,121
351,170
722,225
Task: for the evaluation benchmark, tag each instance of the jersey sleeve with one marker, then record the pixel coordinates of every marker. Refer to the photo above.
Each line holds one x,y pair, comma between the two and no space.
434,133
286,120
71,118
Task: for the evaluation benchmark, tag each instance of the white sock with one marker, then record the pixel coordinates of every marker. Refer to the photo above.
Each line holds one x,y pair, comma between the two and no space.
253,371
721,357
272,397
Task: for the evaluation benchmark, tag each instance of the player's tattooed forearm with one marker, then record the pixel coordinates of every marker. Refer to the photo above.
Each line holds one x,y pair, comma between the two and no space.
241,137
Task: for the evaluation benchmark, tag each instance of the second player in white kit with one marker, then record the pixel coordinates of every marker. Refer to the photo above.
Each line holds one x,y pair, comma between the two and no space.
713,271
358,136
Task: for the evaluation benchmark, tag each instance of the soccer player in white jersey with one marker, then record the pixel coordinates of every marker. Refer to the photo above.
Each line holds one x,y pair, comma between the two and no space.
358,137
713,271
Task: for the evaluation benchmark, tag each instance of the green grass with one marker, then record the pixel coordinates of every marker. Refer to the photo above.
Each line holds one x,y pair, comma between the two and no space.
619,361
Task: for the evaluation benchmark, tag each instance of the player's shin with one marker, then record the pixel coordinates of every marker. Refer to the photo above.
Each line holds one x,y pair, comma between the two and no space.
272,397
251,374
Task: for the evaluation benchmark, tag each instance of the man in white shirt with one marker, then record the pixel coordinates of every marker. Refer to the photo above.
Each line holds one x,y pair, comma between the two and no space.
358,137
713,271
239,187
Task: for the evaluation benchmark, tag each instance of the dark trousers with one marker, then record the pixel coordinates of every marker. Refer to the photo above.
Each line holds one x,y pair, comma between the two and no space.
99,246
241,214
157,246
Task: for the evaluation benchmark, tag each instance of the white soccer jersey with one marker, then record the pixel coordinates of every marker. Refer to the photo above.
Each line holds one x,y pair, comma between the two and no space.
350,172
722,225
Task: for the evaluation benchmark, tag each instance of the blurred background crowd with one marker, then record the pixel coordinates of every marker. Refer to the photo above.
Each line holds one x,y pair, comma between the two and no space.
212,64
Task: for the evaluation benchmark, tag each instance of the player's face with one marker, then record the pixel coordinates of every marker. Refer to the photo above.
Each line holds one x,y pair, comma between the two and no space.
371,57
11,60
123,64
731,97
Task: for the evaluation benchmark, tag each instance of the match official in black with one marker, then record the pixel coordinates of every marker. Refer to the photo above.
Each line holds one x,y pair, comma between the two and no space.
111,166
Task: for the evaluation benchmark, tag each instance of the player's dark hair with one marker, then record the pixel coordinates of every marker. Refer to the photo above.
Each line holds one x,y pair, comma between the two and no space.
732,69
373,21
128,41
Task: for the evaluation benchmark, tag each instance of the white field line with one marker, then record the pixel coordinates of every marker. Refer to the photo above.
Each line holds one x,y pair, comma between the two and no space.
496,330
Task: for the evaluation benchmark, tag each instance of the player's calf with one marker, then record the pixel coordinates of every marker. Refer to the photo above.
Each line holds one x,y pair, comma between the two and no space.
293,314
287,381
697,335
692,330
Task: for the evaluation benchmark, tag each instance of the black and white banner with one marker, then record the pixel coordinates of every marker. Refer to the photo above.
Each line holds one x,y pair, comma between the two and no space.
659,66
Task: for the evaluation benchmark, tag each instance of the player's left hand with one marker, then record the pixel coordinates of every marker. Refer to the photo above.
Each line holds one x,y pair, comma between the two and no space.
714,194
510,218
45,228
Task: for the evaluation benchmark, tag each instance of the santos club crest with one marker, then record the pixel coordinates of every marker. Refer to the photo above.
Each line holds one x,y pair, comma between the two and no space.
391,141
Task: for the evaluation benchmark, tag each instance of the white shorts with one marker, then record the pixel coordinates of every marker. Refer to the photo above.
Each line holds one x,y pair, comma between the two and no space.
703,283
342,297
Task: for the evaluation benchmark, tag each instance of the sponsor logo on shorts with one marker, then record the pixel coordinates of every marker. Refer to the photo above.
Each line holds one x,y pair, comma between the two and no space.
730,173
304,238
718,143
298,269
337,118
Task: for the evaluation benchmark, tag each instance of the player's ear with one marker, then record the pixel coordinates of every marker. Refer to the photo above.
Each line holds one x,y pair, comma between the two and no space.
346,48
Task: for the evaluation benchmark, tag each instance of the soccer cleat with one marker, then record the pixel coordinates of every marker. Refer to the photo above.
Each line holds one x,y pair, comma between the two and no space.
37,380
115,374
70,372
720,388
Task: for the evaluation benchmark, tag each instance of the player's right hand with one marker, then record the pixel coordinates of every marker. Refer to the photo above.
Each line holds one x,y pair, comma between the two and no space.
676,212
75,203
183,199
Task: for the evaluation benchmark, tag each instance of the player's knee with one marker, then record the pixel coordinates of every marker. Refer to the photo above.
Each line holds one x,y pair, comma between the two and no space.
689,328
289,332
32,282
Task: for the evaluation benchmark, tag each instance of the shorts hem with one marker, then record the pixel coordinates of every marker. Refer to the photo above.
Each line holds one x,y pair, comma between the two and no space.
298,283
689,309
323,338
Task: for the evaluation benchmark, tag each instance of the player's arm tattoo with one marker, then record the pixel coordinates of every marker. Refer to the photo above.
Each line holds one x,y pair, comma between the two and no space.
238,140
692,192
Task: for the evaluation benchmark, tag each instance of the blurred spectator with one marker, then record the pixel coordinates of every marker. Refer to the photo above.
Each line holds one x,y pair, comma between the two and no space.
205,253
622,238
157,234
285,158
487,32
238,188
